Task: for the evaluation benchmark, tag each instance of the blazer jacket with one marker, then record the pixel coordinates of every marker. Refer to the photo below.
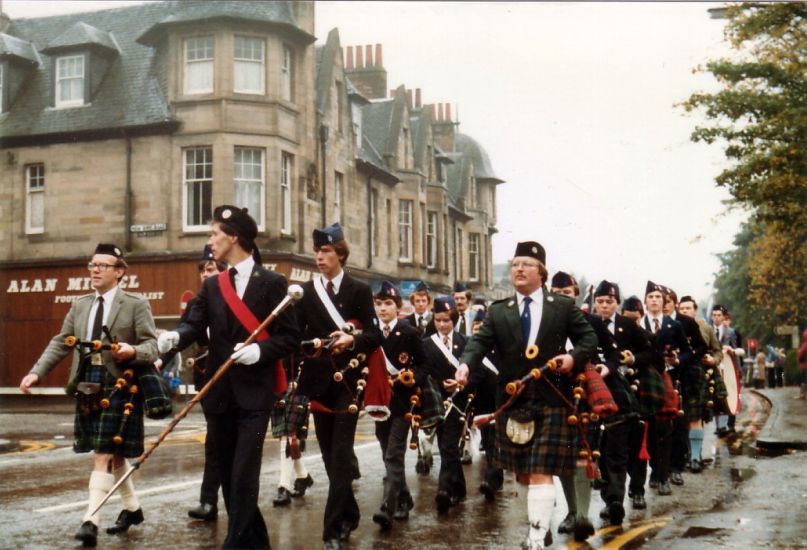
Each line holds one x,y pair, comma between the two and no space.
248,387
630,336
501,330
670,336
440,368
129,321
404,349
354,302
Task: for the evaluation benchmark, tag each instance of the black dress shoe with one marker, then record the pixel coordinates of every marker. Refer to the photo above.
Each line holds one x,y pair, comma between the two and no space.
567,525
383,519
604,513
583,529
488,491
638,502
405,502
347,528
87,534
664,488
332,544
696,466
466,458
654,483
676,478
301,484
205,512
125,520
401,514
420,467
283,497
443,500
616,513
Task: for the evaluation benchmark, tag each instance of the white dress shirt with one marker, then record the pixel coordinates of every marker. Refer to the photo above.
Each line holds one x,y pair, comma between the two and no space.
243,271
108,297
536,310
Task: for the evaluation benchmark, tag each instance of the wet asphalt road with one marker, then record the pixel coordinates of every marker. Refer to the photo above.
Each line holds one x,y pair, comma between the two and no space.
44,489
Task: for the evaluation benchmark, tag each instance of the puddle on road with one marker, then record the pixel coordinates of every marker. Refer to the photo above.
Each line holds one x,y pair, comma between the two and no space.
696,531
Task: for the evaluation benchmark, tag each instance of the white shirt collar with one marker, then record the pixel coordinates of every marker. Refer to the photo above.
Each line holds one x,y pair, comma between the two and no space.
244,267
391,324
537,297
337,281
108,296
450,339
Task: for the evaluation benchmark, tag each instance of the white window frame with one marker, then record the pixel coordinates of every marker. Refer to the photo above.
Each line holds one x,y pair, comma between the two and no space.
287,74
286,176
62,80
34,173
338,190
201,182
431,239
240,181
473,256
199,62
405,208
251,64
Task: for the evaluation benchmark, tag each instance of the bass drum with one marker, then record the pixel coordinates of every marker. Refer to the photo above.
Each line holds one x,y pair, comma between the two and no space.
731,377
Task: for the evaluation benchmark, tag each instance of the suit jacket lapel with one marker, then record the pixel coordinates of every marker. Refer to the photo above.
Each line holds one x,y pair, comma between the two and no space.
253,291
116,305
546,315
514,320
83,318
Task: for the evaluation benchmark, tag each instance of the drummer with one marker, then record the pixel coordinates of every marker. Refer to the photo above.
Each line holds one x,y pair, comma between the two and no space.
403,351
443,350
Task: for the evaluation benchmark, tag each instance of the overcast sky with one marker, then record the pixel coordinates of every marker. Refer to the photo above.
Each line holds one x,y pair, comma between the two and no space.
574,104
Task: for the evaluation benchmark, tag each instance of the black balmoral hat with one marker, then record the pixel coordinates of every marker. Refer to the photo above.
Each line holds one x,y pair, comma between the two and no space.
207,255
459,287
443,304
109,249
328,235
561,279
387,290
633,303
606,288
422,287
653,287
531,249
239,220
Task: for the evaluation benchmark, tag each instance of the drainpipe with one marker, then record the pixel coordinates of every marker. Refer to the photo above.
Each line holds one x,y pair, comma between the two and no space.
127,215
370,221
323,140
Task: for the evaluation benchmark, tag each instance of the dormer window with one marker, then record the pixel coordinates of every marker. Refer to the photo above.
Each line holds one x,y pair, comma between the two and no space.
69,81
248,65
199,53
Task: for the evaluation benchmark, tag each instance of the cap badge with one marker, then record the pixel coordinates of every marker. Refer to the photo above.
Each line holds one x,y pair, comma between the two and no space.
534,250
226,213
117,251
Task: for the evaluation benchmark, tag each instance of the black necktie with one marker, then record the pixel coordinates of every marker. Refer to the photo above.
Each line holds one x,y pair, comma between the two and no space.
98,322
462,323
526,320
655,325
386,331
330,291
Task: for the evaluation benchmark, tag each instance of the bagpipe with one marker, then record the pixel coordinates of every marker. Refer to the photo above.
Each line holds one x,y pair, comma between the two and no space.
371,392
672,405
290,414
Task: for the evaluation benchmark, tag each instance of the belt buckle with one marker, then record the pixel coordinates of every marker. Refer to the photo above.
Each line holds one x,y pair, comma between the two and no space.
96,359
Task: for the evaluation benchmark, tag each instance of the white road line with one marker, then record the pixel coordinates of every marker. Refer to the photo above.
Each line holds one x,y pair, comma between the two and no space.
175,486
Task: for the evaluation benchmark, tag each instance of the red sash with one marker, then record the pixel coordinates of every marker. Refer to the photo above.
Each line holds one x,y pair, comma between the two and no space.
251,323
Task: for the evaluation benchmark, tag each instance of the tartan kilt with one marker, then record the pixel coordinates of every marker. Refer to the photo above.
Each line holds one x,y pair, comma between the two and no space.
552,449
696,394
281,416
94,431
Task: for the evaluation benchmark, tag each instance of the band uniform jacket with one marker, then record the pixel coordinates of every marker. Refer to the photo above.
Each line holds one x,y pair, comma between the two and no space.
669,337
129,321
404,349
354,302
201,346
501,330
608,353
250,387
439,367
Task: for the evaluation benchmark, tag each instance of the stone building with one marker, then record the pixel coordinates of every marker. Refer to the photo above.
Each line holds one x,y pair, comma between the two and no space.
129,125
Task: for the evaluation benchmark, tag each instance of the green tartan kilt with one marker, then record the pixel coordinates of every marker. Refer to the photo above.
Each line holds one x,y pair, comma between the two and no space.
94,431
281,416
695,392
552,449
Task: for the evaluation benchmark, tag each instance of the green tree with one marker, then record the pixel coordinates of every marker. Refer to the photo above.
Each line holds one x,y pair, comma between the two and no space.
760,116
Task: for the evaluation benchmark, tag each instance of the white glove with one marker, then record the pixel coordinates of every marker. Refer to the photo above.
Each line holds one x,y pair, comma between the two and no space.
246,355
167,340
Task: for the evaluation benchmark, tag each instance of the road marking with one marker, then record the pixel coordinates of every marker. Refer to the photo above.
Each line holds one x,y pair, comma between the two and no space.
174,486
633,526
626,537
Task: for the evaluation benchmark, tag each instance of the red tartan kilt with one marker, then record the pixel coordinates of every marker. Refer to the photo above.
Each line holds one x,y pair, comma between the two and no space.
670,407
598,395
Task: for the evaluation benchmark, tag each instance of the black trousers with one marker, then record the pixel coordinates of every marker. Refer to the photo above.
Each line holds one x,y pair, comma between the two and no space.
494,476
660,442
620,456
393,434
680,444
335,434
451,478
238,436
209,493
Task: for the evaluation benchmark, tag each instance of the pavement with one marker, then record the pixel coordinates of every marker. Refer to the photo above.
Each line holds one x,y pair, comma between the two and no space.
786,427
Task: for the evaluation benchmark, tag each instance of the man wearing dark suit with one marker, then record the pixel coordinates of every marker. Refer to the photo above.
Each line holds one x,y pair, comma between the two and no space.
207,510
421,301
128,322
462,297
237,407
533,316
351,300
671,353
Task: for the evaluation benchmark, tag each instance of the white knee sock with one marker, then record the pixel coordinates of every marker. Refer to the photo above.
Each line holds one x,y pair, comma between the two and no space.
540,502
100,484
300,470
126,491
286,467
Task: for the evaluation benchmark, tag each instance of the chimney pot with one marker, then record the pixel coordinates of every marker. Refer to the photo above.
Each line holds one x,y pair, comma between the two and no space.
448,112
417,98
359,57
349,57
434,112
409,98
439,111
368,54
378,59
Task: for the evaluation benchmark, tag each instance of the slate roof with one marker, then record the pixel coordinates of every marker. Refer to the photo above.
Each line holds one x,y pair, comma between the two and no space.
325,61
81,34
130,95
478,156
11,46
456,179
376,119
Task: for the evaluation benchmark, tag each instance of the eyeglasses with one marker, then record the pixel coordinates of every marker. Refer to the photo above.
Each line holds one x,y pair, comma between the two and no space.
523,265
101,267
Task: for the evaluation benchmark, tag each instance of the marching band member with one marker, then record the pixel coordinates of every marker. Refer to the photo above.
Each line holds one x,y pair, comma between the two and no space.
421,301
542,441
237,409
331,300
462,298
403,352
115,432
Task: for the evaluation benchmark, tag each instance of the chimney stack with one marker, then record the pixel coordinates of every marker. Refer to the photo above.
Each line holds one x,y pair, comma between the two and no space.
448,112
366,73
378,59
349,64
359,57
368,55
440,111
409,99
417,98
